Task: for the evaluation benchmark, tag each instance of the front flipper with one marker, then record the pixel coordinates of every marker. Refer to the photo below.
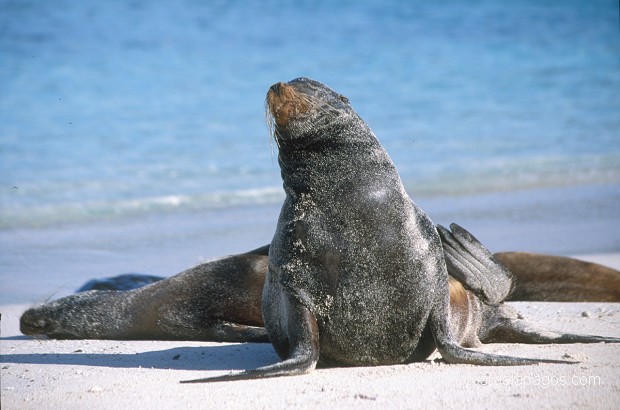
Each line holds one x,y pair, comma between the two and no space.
299,364
507,326
300,346
474,265
215,331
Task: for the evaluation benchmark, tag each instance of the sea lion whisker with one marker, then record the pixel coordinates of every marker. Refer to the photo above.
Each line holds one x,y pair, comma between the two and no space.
323,107
270,120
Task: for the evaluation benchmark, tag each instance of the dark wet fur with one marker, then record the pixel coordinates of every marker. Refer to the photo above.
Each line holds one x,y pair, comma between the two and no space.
356,272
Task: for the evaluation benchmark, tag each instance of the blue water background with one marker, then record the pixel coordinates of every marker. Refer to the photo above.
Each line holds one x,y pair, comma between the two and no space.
133,133
110,109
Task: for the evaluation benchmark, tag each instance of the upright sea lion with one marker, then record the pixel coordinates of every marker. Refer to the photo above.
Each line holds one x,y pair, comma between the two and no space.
357,274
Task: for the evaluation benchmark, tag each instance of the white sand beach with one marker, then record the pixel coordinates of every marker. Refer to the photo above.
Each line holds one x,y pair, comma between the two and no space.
133,140
97,374
78,374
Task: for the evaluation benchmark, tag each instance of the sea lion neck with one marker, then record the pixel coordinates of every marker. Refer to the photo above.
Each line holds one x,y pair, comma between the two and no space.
332,161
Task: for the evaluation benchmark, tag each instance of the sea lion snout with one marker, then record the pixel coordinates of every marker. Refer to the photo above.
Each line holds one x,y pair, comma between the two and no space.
285,103
276,87
33,324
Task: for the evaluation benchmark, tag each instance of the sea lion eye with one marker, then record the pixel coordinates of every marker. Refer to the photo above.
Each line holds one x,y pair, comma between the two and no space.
343,99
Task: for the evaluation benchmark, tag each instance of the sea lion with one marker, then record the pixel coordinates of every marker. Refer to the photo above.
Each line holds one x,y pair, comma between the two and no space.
125,281
196,305
560,279
477,310
218,300
357,274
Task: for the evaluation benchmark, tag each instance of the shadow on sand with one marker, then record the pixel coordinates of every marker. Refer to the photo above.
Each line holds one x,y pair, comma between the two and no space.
225,357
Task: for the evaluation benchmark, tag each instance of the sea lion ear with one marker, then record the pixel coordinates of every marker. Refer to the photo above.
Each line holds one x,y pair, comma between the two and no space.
343,99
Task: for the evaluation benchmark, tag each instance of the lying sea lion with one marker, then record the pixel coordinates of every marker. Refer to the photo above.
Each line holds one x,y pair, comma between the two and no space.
220,301
560,279
125,281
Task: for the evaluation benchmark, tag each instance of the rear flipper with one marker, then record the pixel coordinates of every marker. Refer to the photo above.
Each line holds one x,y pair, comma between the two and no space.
452,352
504,325
474,265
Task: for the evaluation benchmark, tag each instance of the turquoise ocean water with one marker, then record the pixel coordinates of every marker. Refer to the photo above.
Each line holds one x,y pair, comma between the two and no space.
113,112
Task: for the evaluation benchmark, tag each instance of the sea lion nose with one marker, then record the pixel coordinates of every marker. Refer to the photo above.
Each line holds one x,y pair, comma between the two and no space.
277,87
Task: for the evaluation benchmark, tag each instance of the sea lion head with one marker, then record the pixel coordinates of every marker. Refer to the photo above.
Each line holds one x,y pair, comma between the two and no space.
66,318
43,321
302,108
